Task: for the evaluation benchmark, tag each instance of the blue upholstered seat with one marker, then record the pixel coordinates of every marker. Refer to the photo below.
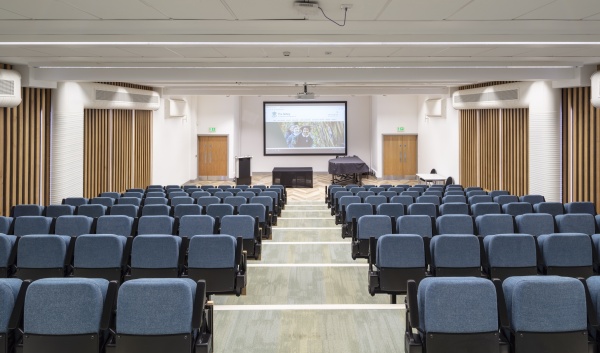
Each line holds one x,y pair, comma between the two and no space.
118,225
454,208
535,223
190,225
73,225
576,223
455,224
32,225
494,224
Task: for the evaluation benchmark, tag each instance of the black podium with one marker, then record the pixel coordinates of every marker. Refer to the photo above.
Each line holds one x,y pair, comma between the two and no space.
242,171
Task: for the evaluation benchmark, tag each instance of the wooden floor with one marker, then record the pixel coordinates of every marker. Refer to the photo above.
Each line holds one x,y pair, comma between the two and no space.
307,294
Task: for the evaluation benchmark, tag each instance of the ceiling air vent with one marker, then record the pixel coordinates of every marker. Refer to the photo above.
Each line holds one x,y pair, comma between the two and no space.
10,88
494,96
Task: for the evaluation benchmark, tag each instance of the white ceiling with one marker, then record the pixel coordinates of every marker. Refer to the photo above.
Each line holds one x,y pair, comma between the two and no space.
237,46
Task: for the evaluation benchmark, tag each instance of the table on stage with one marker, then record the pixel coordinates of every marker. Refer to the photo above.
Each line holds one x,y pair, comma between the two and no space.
347,170
431,178
293,177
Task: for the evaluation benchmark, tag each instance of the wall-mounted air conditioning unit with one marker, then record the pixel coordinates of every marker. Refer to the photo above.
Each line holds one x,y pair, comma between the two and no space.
10,88
177,108
435,107
596,89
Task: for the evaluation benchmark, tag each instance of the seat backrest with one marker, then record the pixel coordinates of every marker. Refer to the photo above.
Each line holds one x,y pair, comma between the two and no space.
517,208
427,209
545,304
413,194
129,201
135,194
238,226
115,224
403,199
142,310
150,194
357,189
219,211
455,251
9,290
259,186
454,199
155,201
434,192
212,251
504,199
535,223
479,199
495,193
365,194
173,194
208,200
375,200
400,251
510,250
532,199
472,188
181,200
27,210
553,208
223,194
235,200
32,225
73,226
206,187
42,251
494,224
77,306
106,201
93,211
454,208
454,224
247,194
415,225
391,209
112,195
576,223
155,251
429,199
156,210
56,211
480,209
254,210
455,192
377,189
476,193
124,210
99,251
396,189
374,226
356,210
566,249
197,194
580,207
136,190
388,194
75,201
183,210
196,225
6,225
473,300
346,200
155,225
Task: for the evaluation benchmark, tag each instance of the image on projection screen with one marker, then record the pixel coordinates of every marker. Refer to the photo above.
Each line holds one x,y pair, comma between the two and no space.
305,128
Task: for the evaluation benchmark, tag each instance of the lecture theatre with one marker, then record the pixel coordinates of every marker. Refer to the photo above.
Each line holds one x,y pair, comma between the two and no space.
310,176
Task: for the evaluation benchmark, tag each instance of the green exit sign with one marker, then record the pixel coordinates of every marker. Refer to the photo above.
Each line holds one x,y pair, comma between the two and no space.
212,129
400,128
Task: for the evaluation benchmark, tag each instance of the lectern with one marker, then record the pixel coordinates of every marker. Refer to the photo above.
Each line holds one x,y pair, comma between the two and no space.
243,176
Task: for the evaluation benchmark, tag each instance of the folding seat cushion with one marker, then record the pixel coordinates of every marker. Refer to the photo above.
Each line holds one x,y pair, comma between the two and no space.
576,223
196,225
181,200
112,195
581,207
124,210
155,225
566,254
472,193
548,312
9,291
215,259
32,225
479,199
73,226
156,201
532,199
427,209
76,201
118,225
415,225
6,225
100,256
553,208
130,201
182,210
56,211
455,255
42,255
156,210
454,199
155,256
454,224
429,199
495,193
106,201
27,210
510,255
93,211
517,208
394,210
494,224
535,223
454,208
485,208
504,199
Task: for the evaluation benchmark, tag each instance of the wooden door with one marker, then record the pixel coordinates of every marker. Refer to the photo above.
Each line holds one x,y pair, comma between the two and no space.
212,156
399,156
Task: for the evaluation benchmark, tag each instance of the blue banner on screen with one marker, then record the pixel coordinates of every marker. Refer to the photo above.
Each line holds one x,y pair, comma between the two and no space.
305,128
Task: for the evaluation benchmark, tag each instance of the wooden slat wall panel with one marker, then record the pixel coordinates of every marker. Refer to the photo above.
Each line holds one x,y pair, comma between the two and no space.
468,148
489,147
24,150
122,148
515,151
143,148
581,147
96,160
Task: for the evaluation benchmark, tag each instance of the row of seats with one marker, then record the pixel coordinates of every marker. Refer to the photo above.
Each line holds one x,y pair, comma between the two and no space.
77,315
548,314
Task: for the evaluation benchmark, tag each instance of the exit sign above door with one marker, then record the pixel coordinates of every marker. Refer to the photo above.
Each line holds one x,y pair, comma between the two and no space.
212,129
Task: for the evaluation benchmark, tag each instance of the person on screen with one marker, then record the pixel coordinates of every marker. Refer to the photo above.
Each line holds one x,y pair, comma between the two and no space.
291,138
304,140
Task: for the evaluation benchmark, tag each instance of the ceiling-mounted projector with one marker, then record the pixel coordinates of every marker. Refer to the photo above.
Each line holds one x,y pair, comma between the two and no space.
307,8
306,94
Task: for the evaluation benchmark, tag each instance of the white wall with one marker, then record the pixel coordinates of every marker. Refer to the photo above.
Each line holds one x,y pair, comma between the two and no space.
439,140
391,112
359,132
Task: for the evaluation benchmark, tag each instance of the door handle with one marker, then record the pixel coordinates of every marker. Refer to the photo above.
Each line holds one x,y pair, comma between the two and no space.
405,160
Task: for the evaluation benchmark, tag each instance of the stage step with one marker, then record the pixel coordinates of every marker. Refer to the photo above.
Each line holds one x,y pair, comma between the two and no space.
292,213
316,222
